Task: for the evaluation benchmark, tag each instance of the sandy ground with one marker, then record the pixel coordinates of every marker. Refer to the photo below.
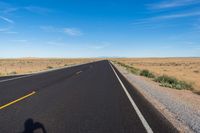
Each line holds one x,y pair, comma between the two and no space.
181,107
186,69
30,65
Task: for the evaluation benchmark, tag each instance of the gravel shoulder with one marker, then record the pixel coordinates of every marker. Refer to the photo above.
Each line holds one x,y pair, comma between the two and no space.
180,107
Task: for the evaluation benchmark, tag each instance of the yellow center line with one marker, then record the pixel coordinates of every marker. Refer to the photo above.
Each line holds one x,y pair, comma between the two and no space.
17,100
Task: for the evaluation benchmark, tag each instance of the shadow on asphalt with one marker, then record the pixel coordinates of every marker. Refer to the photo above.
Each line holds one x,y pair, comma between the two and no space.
30,126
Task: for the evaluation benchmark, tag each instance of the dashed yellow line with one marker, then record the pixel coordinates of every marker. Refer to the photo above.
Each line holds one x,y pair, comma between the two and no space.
17,100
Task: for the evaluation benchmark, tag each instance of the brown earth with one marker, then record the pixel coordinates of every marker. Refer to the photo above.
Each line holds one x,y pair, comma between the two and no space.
186,69
29,65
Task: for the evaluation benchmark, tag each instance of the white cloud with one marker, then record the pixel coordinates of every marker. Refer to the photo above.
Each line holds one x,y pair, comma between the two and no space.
7,26
68,31
10,10
37,9
165,17
6,8
7,20
72,31
173,3
180,15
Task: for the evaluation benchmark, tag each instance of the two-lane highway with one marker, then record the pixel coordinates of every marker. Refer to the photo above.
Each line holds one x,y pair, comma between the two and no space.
89,98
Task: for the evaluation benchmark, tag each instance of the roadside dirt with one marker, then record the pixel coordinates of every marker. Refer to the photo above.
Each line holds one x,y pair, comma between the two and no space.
180,107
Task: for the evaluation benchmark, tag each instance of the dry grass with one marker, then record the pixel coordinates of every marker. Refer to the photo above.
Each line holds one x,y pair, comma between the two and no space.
29,65
186,69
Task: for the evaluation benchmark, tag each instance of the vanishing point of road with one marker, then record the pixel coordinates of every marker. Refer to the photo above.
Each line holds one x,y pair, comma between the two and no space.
88,98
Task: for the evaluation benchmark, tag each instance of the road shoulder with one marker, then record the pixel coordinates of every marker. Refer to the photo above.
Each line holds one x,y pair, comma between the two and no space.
181,108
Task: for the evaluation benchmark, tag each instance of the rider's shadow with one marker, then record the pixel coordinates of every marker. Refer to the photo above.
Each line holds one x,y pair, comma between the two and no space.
30,126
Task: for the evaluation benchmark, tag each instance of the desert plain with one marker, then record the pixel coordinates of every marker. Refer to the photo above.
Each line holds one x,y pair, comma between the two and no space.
186,69
30,65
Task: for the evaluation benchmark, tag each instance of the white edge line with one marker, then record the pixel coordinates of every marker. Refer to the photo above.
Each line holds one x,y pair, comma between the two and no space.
15,78
46,71
144,122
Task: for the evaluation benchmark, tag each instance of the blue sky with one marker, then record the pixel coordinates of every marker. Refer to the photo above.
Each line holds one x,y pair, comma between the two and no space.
104,28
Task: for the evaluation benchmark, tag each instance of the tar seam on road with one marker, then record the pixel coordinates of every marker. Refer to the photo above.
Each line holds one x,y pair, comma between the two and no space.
17,100
16,78
144,122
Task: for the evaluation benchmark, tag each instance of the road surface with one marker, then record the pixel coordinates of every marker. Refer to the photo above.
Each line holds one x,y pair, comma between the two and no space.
89,98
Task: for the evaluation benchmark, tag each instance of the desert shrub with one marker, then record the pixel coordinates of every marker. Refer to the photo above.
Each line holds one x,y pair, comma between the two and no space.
147,73
197,92
135,71
196,71
49,67
172,82
129,68
12,73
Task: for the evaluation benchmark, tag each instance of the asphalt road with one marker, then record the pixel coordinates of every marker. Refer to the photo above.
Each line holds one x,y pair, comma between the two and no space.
89,98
